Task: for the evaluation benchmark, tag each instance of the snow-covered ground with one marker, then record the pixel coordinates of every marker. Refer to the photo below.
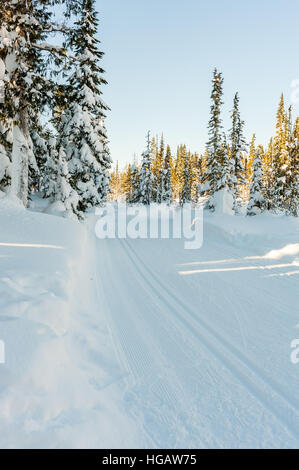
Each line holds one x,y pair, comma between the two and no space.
61,383
141,343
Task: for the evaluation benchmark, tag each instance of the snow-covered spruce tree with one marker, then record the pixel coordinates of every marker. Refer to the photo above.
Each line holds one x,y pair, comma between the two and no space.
40,137
115,184
248,161
135,183
203,169
25,26
158,170
127,183
65,197
146,177
215,172
83,133
56,186
50,169
155,159
178,172
292,174
228,178
167,177
280,157
268,175
237,147
185,196
196,176
21,28
256,203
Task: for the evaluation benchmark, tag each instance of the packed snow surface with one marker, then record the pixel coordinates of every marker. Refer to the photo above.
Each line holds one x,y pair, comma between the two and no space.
141,343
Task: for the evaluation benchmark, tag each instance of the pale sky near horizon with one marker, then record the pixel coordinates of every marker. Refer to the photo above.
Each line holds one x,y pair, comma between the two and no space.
160,56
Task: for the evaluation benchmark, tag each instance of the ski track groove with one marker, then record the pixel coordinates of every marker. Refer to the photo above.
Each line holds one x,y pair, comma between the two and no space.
101,296
120,352
140,360
289,412
140,366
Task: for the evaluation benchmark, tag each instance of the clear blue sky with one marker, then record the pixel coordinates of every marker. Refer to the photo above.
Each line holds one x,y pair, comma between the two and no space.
160,55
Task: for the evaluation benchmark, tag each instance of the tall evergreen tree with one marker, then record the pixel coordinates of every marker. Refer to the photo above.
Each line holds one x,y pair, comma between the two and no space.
268,175
158,168
146,177
196,176
127,183
50,169
115,183
83,132
179,169
228,168
187,181
23,60
280,158
135,182
65,196
40,136
237,147
167,177
247,160
292,174
256,203
215,171
215,123
25,26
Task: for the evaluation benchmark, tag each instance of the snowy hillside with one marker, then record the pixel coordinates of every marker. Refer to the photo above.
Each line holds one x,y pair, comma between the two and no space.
140,343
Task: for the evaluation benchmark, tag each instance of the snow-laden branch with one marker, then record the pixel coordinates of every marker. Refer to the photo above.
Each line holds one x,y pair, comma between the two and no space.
56,28
55,50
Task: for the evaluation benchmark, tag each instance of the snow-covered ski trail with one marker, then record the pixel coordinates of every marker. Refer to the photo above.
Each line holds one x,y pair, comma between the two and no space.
229,356
187,383
153,393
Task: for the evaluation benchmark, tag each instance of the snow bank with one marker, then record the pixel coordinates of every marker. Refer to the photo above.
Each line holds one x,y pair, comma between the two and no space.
259,232
60,381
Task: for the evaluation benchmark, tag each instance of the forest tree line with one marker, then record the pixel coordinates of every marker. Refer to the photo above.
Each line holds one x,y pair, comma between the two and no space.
260,178
53,138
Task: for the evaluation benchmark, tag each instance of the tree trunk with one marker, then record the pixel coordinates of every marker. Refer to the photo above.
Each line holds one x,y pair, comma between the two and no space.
20,157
